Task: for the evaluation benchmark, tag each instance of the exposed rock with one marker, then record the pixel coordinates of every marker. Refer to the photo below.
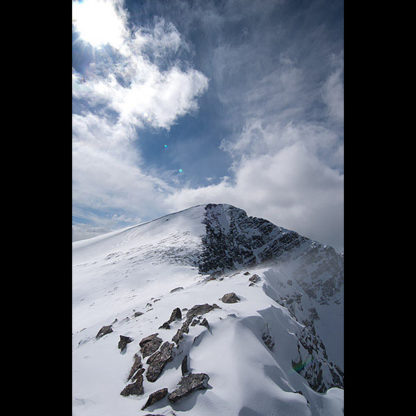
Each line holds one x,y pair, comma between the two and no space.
136,365
158,360
268,340
195,322
184,365
252,284
122,344
150,344
188,384
177,289
201,310
165,326
230,298
136,314
205,323
104,331
255,278
155,397
176,315
246,273
184,329
135,388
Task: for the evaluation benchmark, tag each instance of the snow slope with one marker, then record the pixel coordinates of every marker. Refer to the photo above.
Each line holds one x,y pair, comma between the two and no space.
278,351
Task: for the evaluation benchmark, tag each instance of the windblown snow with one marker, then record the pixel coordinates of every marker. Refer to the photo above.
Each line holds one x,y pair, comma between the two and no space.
273,346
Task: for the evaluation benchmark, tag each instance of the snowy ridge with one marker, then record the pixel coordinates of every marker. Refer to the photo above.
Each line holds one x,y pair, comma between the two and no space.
278,350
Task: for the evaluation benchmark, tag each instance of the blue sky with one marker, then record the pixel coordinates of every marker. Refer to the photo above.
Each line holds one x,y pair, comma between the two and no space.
247,96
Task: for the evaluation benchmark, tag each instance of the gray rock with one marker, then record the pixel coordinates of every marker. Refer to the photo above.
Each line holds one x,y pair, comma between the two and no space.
188,384
155,397
104,331
255,278
158,360
136,365
135,388
150,344
230,298
184,329
136,314
205,323
177,289
122,344
201,310
184,365
176,315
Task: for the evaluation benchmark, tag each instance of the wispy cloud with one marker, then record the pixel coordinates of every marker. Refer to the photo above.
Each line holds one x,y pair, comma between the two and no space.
125,91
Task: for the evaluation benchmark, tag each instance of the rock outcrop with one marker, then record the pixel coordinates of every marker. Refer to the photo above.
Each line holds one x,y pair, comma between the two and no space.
188,384
158,360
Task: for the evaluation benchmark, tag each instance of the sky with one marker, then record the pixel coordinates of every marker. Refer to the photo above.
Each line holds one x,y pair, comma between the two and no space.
179,103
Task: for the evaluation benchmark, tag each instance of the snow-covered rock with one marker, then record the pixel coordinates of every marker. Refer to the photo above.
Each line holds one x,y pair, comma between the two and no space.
278,350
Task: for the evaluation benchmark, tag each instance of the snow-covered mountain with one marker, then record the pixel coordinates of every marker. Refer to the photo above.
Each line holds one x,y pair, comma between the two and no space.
207,312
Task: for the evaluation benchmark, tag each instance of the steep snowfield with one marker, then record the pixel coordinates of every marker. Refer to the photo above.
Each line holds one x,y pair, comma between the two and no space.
250,349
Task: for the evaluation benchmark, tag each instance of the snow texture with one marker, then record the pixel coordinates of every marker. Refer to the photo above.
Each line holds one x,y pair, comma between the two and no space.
277,351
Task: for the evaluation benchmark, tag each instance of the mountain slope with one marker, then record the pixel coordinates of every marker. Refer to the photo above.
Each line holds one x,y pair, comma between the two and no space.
278,350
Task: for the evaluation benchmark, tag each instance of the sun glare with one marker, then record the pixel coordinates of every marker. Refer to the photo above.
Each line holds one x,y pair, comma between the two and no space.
98,22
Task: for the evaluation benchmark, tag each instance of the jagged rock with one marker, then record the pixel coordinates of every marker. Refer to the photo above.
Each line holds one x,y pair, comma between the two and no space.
184,365
230,298
136,365
201,310
136,314
158,360
255,278
122,344
184,329
138,374
188,384
246,273
165,326
268,340
150,344
205,323
195,322
155,397
104,331
135,388
176,315
177,289
252,284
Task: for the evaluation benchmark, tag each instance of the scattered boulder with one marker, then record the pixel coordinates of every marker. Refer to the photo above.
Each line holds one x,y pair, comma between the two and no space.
150,344
158,360
177,289
230,298
136,314
184,365
201,310
136,365
246,273
104,331
188,384
155,397
184,329
135,388
205,323
122,344
176,315
165,326
255,278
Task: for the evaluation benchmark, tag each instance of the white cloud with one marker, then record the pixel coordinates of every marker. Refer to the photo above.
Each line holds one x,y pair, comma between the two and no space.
287,184
108,173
